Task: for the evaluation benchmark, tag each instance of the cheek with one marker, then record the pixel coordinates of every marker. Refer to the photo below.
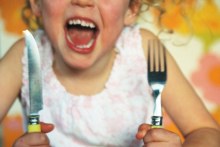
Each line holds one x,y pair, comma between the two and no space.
113,10
51,10
54,30
112,16
52,13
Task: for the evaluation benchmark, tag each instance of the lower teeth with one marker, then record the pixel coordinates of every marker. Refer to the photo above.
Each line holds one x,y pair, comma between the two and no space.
82,46
86,45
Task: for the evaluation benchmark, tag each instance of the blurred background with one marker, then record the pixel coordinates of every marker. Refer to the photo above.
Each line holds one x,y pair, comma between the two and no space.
190,29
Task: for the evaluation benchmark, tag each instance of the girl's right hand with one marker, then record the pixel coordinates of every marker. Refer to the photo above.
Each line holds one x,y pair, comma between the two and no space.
35,139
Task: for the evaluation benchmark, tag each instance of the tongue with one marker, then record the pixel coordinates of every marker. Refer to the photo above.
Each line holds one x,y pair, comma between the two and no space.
80,36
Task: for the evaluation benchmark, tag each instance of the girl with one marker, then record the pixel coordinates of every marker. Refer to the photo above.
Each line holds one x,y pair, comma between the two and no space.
94,78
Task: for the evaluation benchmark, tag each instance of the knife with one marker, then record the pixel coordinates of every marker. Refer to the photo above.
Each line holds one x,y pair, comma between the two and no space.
35,82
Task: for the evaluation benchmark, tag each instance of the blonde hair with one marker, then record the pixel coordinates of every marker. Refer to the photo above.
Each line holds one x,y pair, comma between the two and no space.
33,23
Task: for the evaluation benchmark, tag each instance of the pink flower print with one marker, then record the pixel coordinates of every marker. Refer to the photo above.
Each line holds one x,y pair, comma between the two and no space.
207,77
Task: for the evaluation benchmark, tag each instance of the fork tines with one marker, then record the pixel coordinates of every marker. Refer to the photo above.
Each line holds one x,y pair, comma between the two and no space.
156,60
157,76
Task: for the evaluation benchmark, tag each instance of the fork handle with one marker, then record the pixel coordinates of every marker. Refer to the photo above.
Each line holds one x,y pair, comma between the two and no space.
157,121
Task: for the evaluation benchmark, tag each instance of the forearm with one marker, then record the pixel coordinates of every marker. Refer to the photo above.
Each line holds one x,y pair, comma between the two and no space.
205,137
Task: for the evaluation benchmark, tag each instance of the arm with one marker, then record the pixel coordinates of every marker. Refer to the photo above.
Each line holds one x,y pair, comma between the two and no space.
185,108
10,84
10,77
203,137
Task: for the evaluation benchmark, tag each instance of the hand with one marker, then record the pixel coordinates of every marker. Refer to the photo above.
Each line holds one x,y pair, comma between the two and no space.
35,139
157,137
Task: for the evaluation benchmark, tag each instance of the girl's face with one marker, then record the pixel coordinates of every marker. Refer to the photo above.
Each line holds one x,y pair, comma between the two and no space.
83,32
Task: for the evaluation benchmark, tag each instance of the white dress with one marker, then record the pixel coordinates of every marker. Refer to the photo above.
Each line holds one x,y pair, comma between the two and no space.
109,118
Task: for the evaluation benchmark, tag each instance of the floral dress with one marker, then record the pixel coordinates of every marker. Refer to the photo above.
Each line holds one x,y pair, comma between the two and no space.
109,118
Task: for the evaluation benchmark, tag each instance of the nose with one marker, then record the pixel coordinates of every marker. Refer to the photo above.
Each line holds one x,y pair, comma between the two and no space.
83,3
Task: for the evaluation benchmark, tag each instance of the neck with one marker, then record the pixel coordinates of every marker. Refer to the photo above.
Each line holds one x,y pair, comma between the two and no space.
97,69
85,81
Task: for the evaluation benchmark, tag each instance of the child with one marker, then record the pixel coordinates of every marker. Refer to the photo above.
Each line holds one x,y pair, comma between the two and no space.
95,85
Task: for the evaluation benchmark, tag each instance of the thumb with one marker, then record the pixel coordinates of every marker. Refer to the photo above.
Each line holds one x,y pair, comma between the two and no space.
142,131
46,127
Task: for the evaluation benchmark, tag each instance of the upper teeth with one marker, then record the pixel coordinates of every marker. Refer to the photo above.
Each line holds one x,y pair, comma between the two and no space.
82,23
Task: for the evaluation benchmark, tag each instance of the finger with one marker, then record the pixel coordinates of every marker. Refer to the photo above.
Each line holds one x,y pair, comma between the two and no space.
142,131
46,128
144,126
157,144
160,135
32,139
43,146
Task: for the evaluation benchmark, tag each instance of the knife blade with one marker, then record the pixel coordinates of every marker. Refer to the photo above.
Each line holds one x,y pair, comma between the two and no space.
35,82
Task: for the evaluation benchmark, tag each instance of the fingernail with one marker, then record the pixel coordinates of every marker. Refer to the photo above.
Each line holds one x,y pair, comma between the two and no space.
140,134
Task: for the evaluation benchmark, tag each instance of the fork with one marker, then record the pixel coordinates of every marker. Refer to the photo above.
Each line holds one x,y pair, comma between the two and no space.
157,76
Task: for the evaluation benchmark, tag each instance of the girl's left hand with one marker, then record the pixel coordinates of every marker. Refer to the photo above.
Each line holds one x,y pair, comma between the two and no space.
157,137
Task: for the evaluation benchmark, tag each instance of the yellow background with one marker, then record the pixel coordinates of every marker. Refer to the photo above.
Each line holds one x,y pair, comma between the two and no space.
190,29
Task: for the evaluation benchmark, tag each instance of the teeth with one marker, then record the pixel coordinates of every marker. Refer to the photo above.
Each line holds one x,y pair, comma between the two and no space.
87,45
83,46
82,23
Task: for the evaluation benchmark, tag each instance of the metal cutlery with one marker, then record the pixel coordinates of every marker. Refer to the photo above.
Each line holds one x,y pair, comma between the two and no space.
157,76
35,82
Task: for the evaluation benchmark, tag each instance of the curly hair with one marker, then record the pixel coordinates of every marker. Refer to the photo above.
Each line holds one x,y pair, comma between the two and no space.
34,22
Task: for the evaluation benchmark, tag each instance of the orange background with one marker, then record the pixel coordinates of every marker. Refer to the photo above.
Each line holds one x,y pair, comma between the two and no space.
195,44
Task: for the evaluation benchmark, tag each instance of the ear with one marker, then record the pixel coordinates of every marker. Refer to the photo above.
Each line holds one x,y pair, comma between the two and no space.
132,12
35,7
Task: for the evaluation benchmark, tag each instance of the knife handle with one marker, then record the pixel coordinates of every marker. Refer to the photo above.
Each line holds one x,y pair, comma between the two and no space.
157,121
33,124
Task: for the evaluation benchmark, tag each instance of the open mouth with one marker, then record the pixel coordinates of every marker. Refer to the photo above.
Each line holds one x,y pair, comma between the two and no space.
81,34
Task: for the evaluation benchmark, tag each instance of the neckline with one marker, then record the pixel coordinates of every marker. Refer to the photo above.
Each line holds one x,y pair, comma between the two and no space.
105,88
113,73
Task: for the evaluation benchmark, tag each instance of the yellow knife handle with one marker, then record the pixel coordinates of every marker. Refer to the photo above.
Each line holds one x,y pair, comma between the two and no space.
156,126
157,121
34,124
